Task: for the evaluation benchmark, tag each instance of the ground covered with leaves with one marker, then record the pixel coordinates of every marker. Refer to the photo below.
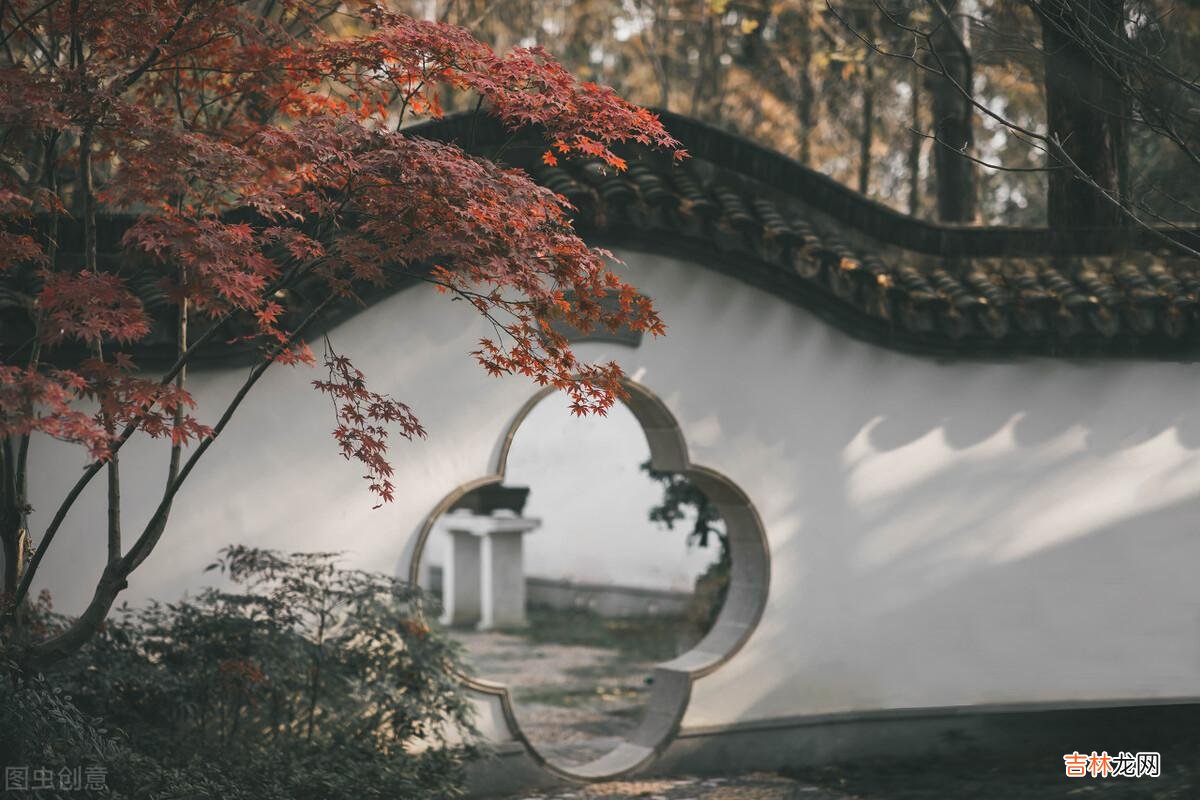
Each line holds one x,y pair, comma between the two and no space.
579,681
961,778
939,780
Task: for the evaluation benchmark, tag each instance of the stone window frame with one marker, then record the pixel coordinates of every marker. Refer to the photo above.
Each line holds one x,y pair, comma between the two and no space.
745,600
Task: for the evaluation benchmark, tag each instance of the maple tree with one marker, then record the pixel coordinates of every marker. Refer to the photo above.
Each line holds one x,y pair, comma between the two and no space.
262,144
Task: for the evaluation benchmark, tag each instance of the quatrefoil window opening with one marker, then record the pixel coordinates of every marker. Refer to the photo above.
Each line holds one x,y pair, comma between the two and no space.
573,606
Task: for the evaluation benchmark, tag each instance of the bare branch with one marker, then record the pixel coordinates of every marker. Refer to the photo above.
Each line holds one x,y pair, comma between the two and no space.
1039,141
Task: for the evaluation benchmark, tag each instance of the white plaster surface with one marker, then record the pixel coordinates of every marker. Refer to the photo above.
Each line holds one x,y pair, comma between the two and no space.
940,534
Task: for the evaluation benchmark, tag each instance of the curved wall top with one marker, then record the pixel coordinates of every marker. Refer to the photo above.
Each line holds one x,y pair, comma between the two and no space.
965,292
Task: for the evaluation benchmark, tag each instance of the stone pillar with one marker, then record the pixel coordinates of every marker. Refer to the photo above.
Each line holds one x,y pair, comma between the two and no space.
503,580
461,578
483,576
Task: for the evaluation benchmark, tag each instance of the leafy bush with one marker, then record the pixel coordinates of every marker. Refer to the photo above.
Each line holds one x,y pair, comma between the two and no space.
304,681
683,502
40,725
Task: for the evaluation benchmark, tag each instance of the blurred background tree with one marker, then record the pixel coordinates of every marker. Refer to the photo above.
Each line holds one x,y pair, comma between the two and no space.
851,88
683,503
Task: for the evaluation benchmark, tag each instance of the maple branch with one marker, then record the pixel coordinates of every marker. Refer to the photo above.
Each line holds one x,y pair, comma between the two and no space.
114,508
126,434
20,26
156,51
23,478
9,526
92,469
180,381
16,535
114,579
498,327
145,543
276,77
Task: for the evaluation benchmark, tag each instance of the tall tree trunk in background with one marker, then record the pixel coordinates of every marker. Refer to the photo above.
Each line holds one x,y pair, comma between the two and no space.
706,65
953,114
660,34
916,140
866,133
866,129
1086,110
804,109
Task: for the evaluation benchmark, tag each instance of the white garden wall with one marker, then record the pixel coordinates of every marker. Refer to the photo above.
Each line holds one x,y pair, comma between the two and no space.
940,533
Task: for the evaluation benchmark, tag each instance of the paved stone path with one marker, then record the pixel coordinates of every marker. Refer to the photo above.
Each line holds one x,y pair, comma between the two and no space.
920,782
575,703
751,786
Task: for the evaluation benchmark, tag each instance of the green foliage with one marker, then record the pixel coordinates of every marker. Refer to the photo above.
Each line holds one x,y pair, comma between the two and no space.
711,588
682,500
303,680
40,725
680,495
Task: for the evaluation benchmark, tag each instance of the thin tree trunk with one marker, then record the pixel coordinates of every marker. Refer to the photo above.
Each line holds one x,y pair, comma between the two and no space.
705,80
10,518
804,110
915,142
656,39
14,515
866,134
953,117
662,21
315,691
113,580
